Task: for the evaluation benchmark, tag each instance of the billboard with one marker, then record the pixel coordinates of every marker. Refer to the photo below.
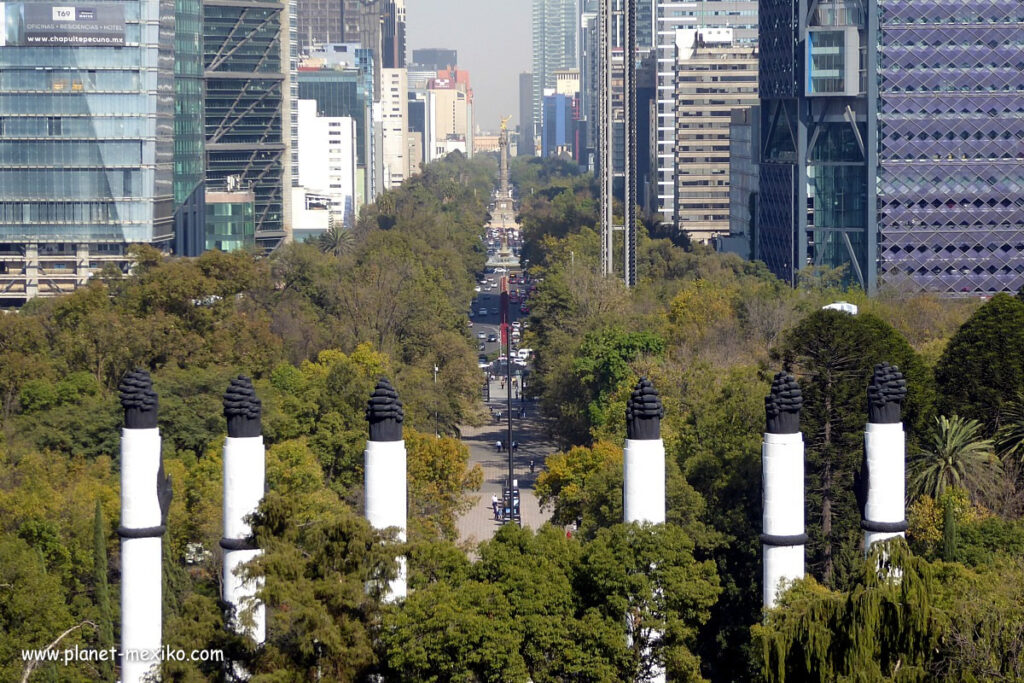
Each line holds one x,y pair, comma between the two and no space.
46,24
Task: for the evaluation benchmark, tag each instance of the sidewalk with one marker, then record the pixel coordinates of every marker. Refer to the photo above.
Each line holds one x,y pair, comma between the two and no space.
478,524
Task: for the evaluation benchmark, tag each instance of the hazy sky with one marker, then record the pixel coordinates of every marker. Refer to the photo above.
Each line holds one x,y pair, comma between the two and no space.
493,40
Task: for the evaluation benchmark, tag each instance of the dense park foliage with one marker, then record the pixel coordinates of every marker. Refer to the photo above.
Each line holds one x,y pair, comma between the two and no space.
315,325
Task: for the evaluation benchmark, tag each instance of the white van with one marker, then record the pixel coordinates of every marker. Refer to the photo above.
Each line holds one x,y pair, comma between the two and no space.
524,353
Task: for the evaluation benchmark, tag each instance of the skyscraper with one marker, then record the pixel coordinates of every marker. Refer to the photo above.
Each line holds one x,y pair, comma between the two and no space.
891,137
319,22
86,139
436,57
713,75
189,139
247,54
524,146
554,47
670,15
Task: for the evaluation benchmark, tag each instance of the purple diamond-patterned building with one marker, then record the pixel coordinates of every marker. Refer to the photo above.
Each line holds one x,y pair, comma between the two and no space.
892,141
951,143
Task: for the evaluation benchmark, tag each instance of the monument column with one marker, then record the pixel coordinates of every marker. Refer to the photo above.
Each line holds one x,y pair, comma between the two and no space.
884,457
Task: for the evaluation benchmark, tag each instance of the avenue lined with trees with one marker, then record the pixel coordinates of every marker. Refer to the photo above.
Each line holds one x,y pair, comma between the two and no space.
316,325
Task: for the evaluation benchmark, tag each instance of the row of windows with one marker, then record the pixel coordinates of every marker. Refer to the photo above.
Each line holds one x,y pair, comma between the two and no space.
17,213
29,183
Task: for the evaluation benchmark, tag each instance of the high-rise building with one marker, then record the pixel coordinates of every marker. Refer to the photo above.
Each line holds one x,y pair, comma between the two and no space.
189,137
713,75
451,115
744,148
554,47
319,22
327,160
557,131
436,57
892,143
248,104
738,15
86,140
345,91
394,108
379,26
525,145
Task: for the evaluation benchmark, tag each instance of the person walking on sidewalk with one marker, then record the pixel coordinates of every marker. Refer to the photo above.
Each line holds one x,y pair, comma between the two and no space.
494,505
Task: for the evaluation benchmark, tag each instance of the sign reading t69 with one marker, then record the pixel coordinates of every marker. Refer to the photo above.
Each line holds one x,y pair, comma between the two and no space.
45,24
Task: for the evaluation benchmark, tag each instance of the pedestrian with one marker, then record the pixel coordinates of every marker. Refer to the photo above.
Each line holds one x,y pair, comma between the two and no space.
515,446
531,466
494,505
497,445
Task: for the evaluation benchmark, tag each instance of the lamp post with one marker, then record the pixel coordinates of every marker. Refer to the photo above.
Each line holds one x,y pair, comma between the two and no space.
437,434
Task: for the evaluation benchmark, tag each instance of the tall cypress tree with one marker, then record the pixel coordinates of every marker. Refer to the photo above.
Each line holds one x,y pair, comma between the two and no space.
101,591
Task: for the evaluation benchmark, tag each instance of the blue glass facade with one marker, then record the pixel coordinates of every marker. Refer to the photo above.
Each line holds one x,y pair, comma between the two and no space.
557,131
951,144
86,151
892,142
189,156
247,120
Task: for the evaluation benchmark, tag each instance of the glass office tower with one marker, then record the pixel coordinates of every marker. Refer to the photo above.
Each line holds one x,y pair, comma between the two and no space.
86,150
951,144
247,105
892,142
189,153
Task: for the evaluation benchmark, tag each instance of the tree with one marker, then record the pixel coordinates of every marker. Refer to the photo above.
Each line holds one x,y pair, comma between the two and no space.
954,455
440,481
337,241
976,375
101,596
1010,437
833,355
646,577
881,630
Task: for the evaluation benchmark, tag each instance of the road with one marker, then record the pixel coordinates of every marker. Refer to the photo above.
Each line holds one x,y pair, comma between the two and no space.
478,524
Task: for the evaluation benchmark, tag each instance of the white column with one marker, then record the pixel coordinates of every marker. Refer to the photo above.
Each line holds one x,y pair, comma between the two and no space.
643,463
884,512
141,570
244,481
782,463
385,491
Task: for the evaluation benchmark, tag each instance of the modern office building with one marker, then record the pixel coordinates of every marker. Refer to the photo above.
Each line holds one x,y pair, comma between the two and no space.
713,76
525,144
436,57
345,91
892,143
378,26
230,217
248,103
670,15
87,113
554,48
557,131
394,111
189,137
744,150
327,160
319,22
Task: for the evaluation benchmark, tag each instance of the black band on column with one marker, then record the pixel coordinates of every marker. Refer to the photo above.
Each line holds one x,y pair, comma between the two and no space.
883,527
773,540
146,532
238,544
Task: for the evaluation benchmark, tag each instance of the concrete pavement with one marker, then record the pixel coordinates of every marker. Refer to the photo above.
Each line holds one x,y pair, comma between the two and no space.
478,524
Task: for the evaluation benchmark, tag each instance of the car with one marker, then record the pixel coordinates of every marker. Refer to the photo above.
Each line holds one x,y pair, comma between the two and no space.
524,309
492,337
524,353
477,288
481,335
481,346
482,311
500,269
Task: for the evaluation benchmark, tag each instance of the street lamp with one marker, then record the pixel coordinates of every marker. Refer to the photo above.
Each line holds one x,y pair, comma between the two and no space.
437,434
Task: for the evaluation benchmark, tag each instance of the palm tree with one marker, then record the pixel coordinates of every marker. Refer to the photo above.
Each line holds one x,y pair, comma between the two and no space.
1010,437
337,241
954,454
